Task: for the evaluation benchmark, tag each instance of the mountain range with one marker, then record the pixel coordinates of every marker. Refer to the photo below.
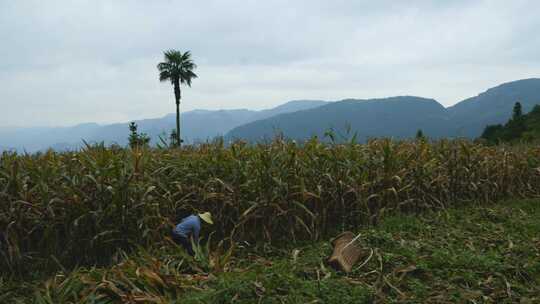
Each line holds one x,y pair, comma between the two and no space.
398,117
494,106
196,126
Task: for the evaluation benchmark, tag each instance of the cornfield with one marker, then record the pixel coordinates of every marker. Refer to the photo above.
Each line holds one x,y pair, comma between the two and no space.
60,210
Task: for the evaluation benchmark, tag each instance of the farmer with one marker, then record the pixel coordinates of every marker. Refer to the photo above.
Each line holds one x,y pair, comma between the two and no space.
188,228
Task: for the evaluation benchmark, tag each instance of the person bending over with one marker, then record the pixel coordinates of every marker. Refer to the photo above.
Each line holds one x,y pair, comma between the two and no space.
189,228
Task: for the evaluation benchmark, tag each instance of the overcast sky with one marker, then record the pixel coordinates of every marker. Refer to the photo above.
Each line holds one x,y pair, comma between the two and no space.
67,62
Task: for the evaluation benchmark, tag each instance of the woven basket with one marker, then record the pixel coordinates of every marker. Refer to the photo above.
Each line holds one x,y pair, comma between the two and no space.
344,258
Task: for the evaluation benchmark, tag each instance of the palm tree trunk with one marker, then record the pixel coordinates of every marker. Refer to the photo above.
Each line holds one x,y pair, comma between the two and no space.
177,98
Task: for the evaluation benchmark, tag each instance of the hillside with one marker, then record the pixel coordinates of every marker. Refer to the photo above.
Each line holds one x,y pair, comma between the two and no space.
494,106
197,125
520,128
36,138
398,117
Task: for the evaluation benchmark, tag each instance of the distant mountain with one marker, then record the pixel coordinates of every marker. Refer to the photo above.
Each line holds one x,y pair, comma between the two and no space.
34,139
3,148
398,117
289,107
197,125
202,125
494,106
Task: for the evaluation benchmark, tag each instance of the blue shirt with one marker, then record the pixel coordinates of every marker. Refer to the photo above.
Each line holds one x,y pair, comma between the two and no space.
189,226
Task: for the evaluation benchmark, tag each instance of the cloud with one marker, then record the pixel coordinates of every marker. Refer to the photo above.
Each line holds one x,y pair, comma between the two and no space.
66,62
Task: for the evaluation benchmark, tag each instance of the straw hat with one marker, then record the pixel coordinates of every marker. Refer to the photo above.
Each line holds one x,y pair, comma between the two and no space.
207,217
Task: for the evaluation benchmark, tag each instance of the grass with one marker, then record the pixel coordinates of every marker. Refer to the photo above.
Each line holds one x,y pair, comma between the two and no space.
474,254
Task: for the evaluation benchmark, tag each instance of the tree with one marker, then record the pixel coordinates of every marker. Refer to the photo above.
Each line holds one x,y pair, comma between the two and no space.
516,126
493,133
517,112
519,127
178,69
136,139
419,134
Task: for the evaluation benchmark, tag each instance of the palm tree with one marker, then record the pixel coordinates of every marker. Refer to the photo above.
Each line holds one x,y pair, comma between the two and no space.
177,68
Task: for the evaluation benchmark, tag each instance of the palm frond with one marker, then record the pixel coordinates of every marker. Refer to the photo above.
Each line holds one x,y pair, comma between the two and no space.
177,66
164,75
163,66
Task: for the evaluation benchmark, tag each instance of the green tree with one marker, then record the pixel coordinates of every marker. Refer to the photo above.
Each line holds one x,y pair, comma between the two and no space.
518,128
177,68
493,133
517,112
419,134
136,139
515,127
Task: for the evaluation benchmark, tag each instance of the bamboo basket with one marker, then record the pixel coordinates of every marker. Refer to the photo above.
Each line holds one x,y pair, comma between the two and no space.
345,254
